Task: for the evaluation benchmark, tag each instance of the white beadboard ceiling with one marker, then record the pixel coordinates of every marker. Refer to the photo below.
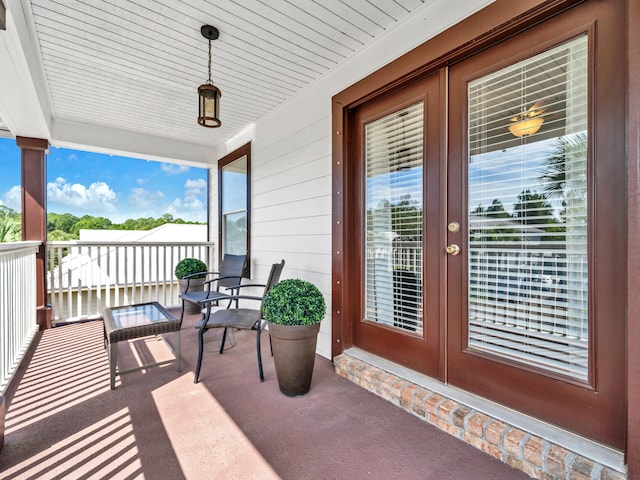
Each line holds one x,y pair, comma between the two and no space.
135,65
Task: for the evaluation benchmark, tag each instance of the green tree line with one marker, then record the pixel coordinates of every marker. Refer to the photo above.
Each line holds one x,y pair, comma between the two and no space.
65,226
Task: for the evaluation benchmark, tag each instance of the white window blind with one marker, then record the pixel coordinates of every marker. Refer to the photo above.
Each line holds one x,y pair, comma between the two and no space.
527,192
393,268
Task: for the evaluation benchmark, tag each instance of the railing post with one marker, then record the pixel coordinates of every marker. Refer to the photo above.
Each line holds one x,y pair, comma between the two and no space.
34,214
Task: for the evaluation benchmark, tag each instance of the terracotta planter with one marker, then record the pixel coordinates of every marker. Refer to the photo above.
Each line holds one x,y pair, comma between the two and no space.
194,284
294,353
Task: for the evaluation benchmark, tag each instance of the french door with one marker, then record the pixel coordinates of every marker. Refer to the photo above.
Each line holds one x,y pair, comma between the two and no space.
490,219
536,180
398,159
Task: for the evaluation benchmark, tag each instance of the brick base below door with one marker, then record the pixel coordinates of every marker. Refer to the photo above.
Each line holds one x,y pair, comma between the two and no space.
537,457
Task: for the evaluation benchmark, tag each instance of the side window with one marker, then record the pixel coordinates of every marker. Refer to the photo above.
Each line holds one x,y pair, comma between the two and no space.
234,180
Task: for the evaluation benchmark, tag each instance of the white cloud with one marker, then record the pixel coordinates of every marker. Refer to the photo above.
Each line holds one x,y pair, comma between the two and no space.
73,157
173,169
97,198
13,198
189,208
154,204
141,181
198,183
195,187
141,199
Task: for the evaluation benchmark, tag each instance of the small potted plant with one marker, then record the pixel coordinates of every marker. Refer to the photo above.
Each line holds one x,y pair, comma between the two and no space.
294,309
191,274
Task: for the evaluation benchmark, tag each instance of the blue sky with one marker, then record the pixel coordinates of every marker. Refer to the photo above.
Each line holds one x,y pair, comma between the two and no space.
504,174
84,183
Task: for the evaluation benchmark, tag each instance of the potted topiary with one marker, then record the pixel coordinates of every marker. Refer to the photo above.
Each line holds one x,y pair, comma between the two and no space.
191,274
294,309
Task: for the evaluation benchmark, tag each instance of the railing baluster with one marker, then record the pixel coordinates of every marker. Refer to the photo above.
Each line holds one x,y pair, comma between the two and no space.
144,280
89,283
157,275
134,273
125,278
164,273
69,313
99,298
107,292
173,248
56,261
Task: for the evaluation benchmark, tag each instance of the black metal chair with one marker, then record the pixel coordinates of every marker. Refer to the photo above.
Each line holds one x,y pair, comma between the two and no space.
232,269
240,318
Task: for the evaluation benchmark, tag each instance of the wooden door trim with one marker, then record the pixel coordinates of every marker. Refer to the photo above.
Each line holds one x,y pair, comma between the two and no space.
633,234
244,150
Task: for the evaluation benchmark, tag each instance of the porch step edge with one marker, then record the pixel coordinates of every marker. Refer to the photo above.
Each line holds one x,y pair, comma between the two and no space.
363,372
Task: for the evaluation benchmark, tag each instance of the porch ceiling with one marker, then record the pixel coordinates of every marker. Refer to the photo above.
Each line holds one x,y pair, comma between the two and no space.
113,73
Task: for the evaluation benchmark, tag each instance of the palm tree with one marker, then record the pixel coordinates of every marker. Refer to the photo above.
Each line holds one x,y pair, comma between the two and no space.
10,230
564,175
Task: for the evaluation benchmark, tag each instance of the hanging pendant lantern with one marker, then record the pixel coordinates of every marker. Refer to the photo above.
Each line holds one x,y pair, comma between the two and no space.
208,94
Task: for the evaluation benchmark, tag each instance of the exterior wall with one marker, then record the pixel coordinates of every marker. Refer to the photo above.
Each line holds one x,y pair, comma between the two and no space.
291,160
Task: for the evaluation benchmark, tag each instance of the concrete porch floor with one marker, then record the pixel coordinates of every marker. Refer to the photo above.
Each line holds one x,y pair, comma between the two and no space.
63,421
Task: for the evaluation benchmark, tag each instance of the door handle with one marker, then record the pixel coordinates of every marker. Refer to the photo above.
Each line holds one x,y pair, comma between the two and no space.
453,249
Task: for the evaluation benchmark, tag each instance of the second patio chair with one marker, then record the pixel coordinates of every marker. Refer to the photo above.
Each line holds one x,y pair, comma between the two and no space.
232,269
239,318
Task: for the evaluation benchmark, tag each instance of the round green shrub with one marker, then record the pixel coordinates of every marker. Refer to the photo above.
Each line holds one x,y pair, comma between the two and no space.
293,302
188,266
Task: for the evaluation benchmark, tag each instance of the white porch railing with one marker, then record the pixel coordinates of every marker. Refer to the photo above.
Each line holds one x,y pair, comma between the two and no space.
86,277
18,318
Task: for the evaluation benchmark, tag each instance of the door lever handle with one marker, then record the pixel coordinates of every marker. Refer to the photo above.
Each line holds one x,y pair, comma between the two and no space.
453,249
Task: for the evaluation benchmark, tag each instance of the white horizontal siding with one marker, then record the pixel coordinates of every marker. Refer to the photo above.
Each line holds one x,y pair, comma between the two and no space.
305,189
304,244
300,172
291,206
318,225
278,210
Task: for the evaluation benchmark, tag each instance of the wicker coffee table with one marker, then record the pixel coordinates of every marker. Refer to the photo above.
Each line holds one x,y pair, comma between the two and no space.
136,321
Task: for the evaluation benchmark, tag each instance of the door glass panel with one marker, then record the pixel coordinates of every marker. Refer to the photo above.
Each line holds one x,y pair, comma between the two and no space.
527,204
234,207
393,224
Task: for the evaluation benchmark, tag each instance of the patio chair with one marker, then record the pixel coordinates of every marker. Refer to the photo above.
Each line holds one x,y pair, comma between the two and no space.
232,268
239,318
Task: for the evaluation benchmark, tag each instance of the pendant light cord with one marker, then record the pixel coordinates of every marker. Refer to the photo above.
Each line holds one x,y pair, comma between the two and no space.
209,82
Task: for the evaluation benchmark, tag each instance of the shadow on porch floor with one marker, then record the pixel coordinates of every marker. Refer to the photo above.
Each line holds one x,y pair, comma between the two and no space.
64,422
